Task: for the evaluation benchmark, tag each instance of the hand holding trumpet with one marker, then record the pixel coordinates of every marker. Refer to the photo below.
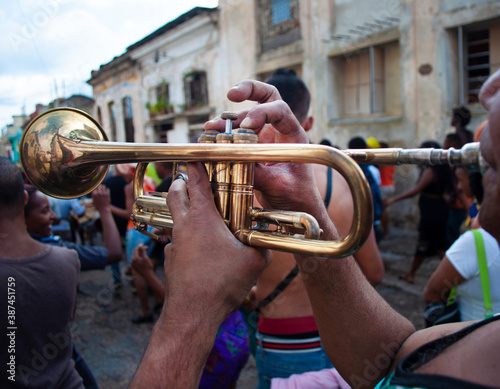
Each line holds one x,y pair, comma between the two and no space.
273,121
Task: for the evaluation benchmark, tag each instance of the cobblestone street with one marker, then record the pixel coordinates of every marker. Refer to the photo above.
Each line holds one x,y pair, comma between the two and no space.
113,346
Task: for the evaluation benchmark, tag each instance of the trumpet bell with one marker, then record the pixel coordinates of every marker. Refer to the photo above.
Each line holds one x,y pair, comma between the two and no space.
43,148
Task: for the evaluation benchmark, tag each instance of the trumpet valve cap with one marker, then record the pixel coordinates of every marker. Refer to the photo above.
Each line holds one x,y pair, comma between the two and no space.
227,115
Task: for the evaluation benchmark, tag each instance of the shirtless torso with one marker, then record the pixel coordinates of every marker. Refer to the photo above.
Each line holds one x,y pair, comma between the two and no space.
293,301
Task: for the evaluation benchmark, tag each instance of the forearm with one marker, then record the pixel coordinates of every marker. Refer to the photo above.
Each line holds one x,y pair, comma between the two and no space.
154,282
357,327
123,213
405,195
177,351
370,261
431,295
441,281
111,236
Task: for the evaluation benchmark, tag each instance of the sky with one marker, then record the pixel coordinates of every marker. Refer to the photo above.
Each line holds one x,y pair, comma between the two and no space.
49,47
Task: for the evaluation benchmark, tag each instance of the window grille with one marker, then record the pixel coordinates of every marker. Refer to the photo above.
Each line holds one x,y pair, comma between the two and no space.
477,63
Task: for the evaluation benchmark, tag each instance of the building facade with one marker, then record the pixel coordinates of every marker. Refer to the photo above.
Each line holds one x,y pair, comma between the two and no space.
162,88
391,69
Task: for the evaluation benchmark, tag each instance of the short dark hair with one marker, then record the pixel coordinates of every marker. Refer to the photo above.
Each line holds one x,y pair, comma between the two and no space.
357,143
293,91
461,114
11,182
430,144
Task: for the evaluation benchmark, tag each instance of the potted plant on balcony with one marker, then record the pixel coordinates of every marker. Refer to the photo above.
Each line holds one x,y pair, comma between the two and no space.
161,107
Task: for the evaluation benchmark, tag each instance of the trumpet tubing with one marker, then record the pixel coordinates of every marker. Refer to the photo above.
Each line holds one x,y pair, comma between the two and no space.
65,154
468,157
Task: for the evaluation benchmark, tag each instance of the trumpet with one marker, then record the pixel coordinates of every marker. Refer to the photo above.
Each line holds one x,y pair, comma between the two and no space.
65,153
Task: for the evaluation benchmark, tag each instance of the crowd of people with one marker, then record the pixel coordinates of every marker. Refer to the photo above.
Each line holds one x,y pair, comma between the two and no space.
309,322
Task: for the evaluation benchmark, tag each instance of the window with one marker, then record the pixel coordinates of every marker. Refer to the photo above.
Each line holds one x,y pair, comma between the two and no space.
278,22
364,82
163,98
162,92
128,121
478,56
112,120
196,124
195,90
161,101
161,132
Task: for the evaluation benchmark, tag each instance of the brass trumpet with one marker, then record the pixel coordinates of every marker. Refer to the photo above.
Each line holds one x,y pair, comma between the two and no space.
65,154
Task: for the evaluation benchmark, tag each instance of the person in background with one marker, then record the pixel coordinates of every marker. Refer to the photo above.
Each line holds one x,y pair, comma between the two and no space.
116,183
387,190
460,268
39,218
283,315
372,175
433,183
39,287
132,237
459,197
91,257
67,210
143,267
153,260
460,118
164,171
479,130
476,193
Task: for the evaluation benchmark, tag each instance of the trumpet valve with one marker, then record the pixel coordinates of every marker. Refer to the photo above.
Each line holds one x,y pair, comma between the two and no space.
229,117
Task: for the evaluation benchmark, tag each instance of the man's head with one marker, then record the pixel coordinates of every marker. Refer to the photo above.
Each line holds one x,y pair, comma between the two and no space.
357,143
12,189
490,145
37,213
460,116
294,92
164,169
430,144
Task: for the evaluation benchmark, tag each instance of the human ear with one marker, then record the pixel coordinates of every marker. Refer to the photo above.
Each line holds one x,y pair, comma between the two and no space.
308,123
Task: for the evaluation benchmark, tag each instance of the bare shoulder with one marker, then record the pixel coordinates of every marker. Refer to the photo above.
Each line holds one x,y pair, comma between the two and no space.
419,338
471,358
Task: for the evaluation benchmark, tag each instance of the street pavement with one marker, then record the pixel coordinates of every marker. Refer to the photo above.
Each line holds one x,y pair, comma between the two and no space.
113,346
